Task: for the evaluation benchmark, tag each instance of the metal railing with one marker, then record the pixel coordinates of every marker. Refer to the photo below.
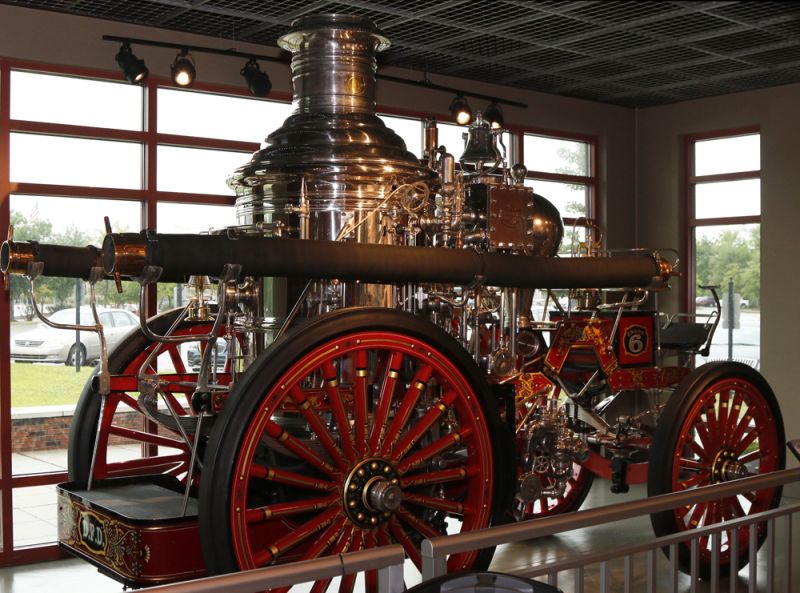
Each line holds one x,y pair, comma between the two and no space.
435,550
387,560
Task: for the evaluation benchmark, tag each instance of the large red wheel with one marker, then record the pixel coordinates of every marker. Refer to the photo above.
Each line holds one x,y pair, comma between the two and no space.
722,423
366,427
129,443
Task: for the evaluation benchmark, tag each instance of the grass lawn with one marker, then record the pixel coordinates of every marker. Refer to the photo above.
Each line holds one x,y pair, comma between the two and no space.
46,384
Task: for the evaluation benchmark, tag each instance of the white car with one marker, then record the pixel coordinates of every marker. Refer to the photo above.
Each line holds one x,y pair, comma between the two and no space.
48,344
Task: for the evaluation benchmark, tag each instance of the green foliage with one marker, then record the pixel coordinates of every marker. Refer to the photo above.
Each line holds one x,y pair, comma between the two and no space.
734,253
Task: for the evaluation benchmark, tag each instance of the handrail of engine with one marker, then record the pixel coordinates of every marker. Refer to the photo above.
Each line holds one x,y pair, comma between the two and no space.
435,550
388,560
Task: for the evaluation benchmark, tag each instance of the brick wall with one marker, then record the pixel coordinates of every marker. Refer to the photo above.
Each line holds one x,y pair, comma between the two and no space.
52,432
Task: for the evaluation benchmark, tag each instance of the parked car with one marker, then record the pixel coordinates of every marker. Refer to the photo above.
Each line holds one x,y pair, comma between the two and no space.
705,300
194,357
48,344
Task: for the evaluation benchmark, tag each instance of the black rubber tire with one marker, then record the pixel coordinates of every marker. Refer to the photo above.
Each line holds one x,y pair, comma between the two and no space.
216,532
668,435
84,422
81,353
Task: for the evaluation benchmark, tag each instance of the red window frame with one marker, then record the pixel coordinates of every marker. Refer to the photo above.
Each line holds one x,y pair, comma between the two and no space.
691,180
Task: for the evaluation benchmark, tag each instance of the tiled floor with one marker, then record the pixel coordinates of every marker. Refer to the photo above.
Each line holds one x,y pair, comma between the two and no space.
34,507
76,575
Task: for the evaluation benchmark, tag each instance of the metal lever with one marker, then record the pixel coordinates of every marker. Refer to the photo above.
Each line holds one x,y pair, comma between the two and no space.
117,277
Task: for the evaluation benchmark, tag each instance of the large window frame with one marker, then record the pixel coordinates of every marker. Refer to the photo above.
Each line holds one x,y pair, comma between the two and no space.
691,180
148,197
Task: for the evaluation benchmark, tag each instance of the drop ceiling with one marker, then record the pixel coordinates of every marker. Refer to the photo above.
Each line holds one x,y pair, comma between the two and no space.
633,53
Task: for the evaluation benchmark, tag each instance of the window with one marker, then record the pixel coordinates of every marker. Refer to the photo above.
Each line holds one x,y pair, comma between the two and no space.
81,101
72,162
207,115
724,190
410,130
547,159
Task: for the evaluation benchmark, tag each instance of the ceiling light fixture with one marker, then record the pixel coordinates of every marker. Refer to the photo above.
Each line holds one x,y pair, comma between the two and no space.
258,82
133,68
460,110
494,115
183,71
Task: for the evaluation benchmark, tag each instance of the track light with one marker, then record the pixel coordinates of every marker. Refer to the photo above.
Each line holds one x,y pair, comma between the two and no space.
257,81
460,110
494,115
183,72
133,68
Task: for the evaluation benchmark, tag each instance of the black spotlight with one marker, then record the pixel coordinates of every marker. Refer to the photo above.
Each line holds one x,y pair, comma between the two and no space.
133,68
460,110
257,81
183,72
494,115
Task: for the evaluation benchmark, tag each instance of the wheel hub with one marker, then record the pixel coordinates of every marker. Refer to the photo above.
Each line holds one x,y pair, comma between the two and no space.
371,493
726,467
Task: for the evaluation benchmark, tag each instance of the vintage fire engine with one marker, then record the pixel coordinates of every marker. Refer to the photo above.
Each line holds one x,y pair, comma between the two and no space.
413,389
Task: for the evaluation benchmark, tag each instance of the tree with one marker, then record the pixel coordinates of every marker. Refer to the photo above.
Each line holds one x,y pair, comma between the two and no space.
733,253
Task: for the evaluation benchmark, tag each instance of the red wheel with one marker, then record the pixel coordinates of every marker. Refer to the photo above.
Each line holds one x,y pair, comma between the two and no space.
531,408
722,423
129,443
366,427
578,486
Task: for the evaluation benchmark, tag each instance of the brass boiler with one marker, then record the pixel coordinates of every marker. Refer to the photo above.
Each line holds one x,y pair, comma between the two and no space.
333,161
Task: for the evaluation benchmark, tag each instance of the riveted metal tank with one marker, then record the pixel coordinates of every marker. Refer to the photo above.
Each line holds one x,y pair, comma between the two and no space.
333,158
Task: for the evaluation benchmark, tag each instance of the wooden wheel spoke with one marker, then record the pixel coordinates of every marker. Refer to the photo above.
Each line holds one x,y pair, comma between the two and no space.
326,540
734,508
752,456
283,509
701,452
360,397
290,478
348,581
295,537
337,406
406,407
698,480
423,425
342,545
722,416
692,464
453,474
711,423
173,403
746,441
435,448
698,512
744,424
440,504
399,534
175,357
419,525
704,435
129,401
298,448
370,576
318,427
733,416
385,399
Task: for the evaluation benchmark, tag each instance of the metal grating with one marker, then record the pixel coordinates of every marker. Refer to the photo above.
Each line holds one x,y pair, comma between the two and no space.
629,53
